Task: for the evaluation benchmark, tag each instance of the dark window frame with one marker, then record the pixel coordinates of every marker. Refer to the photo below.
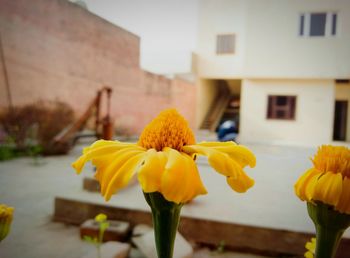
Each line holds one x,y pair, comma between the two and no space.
302,25
318,23
281,107
334,24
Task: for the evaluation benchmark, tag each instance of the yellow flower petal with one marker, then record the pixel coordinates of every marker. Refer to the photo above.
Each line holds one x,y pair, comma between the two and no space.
193,185
79,164
98,149
101,163
310,246
105,173
240,184
220,161
310,189
99,143
328,188
150,173
344,201
239,153
304,187
223,164
228,159
180,181
308,254
123,175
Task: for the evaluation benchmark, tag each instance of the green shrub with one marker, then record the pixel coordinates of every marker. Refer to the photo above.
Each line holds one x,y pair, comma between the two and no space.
6,152
33,127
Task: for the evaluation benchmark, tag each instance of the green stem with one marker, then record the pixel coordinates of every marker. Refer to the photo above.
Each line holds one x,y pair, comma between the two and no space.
166,216
327,241
99,250
100,240
330,226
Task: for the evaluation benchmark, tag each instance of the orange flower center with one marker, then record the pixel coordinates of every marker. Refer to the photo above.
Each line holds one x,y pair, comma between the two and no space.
334,159
168,129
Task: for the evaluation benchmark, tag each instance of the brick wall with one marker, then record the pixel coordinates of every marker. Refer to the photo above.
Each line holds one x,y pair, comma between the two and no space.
54,49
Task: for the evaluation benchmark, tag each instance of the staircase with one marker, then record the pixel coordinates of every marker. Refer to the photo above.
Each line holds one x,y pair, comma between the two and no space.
217,109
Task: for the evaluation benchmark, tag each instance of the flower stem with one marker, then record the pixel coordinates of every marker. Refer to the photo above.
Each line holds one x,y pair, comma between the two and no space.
330,226
166,216
327,241
99,250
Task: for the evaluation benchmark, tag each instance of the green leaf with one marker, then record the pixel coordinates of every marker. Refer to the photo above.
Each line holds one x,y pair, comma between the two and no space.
90,239
87,238
104,226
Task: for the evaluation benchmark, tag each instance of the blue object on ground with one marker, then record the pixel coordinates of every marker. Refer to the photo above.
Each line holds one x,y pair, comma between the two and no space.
227,131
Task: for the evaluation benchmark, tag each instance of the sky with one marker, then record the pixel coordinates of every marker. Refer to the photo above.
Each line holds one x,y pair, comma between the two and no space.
167,29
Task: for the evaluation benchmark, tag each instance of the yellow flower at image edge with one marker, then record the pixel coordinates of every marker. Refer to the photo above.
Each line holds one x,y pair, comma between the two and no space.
310,246
329,180
101,217
6,216
164,161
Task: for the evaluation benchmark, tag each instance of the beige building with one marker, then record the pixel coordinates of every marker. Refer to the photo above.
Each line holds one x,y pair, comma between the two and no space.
279,68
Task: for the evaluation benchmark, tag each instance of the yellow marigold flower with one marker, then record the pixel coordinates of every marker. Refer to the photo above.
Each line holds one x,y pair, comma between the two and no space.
6,212
329,180
163,160
310,246
6,216
101,217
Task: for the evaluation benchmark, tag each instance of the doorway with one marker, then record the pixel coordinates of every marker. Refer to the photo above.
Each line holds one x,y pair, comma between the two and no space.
224,98
340,120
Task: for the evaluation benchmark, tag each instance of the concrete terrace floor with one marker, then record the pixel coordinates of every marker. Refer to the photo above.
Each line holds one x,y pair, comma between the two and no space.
31,190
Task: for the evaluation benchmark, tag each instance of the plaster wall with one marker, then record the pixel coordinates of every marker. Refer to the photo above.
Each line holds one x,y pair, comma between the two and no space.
313,123
268,44
342,92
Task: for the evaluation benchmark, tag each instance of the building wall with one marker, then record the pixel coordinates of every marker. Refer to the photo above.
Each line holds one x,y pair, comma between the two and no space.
225,17
207,93
268,44
55,49
275,49
313,124
342,92
184,98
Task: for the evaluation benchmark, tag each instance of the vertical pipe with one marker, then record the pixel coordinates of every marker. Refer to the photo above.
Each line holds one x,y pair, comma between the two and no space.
109,93
7,85
98,107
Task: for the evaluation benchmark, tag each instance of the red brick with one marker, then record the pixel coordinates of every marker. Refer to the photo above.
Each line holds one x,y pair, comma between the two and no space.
58,50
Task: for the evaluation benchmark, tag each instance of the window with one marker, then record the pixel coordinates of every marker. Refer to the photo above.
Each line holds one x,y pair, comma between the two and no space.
334,24
342,81
225,44
302,25
281,107
318,24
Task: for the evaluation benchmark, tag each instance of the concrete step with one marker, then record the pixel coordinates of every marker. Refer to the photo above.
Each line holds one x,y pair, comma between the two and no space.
111,249
116,231
207,253
240,237
146,244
